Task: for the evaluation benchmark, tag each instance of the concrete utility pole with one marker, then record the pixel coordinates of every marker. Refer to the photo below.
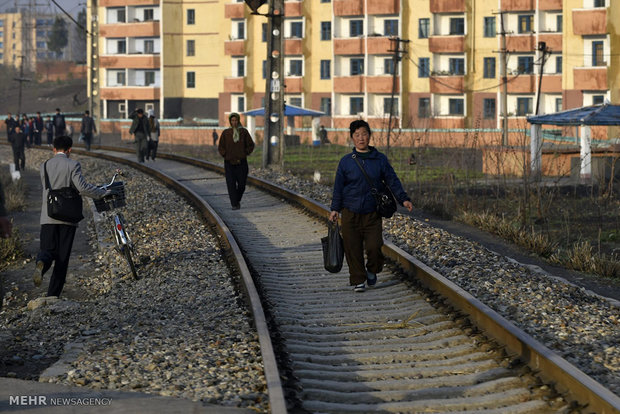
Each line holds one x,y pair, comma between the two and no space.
504,69
542,47
396,57
92,42
21,80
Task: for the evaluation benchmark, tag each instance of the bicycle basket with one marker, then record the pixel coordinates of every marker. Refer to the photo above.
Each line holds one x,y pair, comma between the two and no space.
112,201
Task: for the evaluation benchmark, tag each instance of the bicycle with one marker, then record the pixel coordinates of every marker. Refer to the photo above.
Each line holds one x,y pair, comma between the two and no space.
124,245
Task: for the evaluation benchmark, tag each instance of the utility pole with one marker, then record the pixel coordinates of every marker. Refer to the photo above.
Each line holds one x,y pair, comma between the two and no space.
396,58
542,47
504,69
21,80
92,43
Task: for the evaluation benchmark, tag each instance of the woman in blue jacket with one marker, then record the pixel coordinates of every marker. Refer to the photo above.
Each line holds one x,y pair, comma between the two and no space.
354,203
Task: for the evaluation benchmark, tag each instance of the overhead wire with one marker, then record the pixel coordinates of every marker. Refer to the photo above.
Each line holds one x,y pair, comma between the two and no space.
71,18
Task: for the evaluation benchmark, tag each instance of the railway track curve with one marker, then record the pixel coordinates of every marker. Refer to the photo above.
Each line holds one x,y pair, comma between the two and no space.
396,348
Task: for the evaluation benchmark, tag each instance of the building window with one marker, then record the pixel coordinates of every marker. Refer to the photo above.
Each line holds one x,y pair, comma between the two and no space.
390,105
264,69
599,3
424,69
356,105
489,26
121,108
489,67
239,30
525,64
558,104
191,16
525,23
121,46
558,23
295,101
456,106
149,46
357,66
356,28
190,80
240,68
120,78
149,78
326,1
524,106
326,69
240,103
597,54
457,66
148,15
191,48
423,28
558,64
326,106
120,16
457,26
390,27
264,29
388,66
326,30
488,108
297,30
598,99
424,108
295,67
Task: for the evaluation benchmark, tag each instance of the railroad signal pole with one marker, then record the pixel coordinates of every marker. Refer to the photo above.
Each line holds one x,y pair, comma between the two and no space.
273,139
396,58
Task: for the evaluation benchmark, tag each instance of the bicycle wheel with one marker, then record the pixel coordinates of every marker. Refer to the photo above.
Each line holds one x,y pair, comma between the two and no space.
126,251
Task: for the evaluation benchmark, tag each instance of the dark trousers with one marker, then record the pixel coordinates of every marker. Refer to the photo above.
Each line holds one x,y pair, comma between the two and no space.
236,177
141,146
56,245
37,138
50,138
88,138
19,158
362,232
151,151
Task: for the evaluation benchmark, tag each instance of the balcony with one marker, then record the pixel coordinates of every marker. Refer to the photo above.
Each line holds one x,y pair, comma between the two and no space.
234,47
130,61
521,43
233,85
553,41
446,44
350,46
518,5
348,84
294,85
447,84
234,10
384,7
381,84
551,84
293,9
591,78
448,6
379,45
142,29
590,22
549,5
123,3
293,47
348,7
523,83
138,93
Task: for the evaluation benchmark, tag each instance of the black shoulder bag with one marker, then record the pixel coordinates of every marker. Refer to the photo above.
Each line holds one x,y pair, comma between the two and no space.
386,202
64,204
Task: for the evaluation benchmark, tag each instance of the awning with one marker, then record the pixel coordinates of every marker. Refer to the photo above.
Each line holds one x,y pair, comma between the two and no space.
605,114
289,110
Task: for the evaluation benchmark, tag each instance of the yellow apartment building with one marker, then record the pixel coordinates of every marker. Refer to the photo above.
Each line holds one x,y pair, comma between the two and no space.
205,59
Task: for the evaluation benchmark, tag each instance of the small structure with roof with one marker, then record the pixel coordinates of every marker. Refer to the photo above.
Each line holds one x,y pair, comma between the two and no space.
290,112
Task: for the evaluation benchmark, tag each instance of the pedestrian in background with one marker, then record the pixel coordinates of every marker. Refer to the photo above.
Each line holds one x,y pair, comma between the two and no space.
87,129
352,200
49,128
59,124
214,135
10,125
323,135
18,144
141,131
235,145
38,128
30,131
153,137
57,236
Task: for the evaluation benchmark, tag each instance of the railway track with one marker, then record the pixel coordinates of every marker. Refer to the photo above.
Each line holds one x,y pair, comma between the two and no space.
395,348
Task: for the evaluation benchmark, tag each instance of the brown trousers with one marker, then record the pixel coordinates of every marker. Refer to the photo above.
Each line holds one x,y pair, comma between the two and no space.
362,232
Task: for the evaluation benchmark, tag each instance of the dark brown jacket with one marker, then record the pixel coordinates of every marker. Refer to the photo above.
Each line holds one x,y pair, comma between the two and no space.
235,151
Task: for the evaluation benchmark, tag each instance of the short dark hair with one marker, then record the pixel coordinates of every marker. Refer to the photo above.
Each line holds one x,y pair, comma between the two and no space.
57,109
140,111
357,124
87,112
63,143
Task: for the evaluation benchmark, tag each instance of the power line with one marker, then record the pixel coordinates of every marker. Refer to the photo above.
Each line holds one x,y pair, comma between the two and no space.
71,18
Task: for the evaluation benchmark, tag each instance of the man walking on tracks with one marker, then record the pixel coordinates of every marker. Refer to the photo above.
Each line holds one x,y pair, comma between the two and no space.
57,236
18,144
141,131
59,123
235,145
87,129
10,125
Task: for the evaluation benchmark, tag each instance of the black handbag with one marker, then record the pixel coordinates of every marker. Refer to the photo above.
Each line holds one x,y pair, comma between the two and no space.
333,249
64,204
384,198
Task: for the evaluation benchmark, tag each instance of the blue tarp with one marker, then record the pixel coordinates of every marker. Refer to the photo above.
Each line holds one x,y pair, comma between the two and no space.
289,110
605,114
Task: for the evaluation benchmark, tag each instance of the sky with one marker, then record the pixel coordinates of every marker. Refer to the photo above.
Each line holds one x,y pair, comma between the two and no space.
71,6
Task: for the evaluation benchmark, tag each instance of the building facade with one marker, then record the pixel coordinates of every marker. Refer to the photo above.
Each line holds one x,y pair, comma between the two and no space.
206,59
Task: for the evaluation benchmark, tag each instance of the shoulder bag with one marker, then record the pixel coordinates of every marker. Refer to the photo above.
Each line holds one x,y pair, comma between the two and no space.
64,204
386,203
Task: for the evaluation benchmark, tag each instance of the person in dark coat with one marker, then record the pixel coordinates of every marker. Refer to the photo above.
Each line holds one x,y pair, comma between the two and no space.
59,124
235,145
18,144
49,128
323,135
354,203
38,128
153,140
141,131
10,125
87,129
215,137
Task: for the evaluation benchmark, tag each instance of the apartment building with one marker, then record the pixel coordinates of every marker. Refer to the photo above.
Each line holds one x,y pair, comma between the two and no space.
196,59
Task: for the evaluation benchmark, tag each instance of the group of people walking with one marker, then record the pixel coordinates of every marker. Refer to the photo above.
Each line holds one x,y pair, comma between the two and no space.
146,132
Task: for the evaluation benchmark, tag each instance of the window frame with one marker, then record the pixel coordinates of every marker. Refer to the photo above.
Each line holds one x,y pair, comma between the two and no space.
358,99
457,26
456,107
190,80
424,107
386,102
424,26
486,113
190,17
356,66
325,69
525,23
326,30
490,26
326,101
489,68
456,66
392,25
292,64
424,68
190,47
529,104
356,27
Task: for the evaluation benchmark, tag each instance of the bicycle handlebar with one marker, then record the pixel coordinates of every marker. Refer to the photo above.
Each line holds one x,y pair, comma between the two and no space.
116,173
